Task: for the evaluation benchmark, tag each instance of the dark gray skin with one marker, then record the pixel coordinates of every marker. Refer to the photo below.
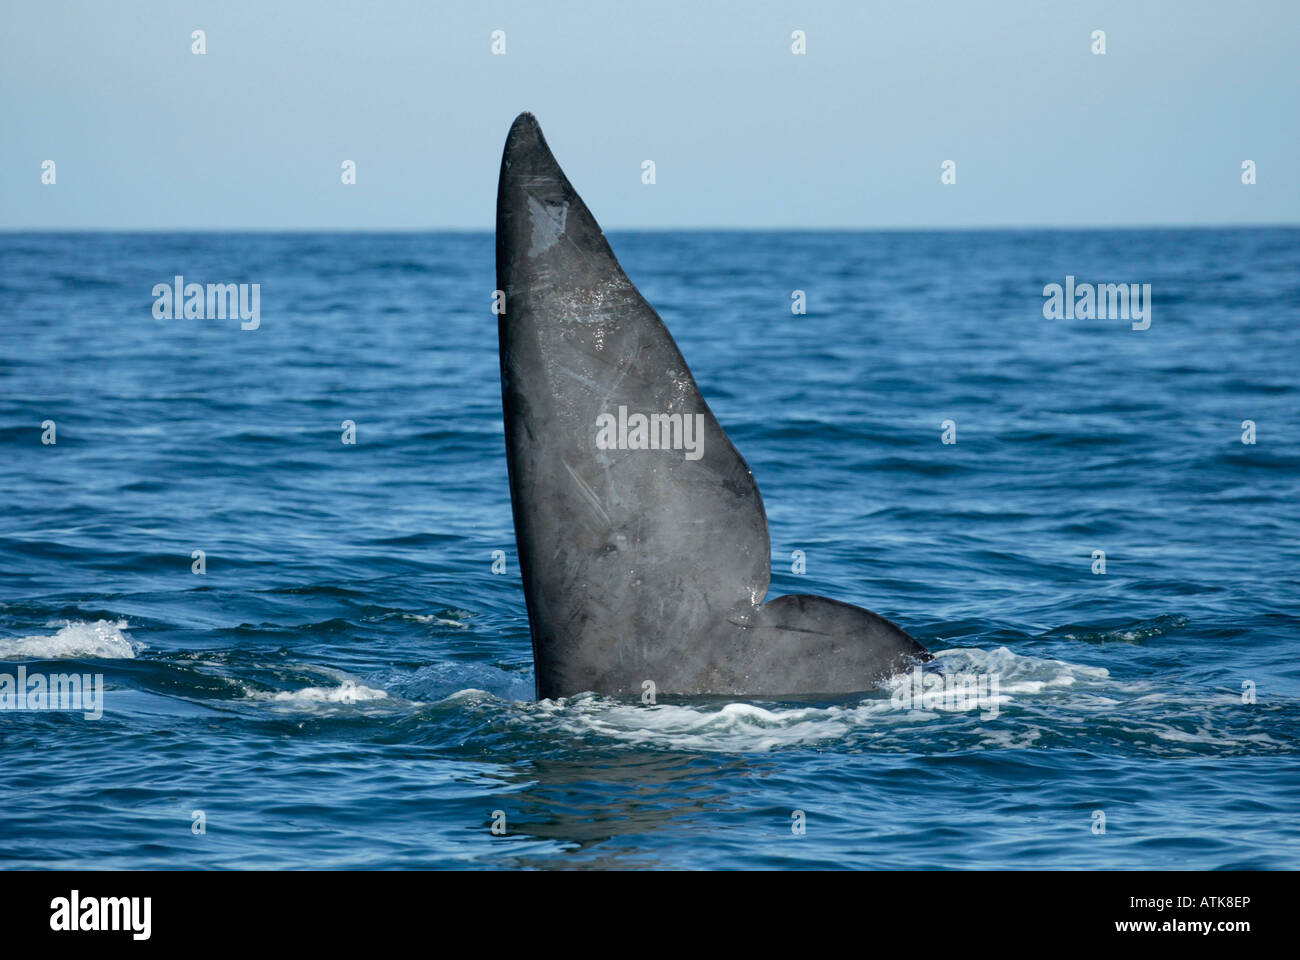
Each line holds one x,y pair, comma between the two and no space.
638,564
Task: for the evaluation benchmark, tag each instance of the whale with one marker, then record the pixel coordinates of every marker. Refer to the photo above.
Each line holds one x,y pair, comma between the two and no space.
641,537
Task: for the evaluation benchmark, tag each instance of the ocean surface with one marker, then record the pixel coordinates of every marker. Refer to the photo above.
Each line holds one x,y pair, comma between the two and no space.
350,685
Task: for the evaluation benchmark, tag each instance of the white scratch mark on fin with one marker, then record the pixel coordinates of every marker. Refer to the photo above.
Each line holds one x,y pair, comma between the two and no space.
589,494
548,224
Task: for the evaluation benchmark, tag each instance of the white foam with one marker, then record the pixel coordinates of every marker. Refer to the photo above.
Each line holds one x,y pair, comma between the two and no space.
1202,736
750,727
997,739
435,620
1017,673
349,691
1029,688
733,727
103,640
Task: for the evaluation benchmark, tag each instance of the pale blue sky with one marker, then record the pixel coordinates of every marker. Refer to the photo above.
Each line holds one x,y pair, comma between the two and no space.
743,133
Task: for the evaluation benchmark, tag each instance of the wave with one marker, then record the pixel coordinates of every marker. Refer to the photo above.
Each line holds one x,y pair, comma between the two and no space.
440,621
102,640
458,681
762,727
1017,701
1032,698
346,692
1146,630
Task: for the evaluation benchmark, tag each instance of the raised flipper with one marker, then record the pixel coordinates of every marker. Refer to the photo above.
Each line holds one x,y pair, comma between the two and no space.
639,562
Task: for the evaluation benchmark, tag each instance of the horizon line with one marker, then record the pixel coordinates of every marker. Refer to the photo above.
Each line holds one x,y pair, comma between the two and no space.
661,229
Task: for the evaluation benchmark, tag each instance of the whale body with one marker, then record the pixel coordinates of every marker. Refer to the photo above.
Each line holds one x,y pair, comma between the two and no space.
642,538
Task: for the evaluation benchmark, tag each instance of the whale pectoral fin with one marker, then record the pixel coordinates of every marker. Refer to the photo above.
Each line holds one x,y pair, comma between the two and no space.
643,542
818,645
629,554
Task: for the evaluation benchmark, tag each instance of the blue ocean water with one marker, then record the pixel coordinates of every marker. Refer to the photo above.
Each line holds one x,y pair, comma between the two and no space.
350,685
